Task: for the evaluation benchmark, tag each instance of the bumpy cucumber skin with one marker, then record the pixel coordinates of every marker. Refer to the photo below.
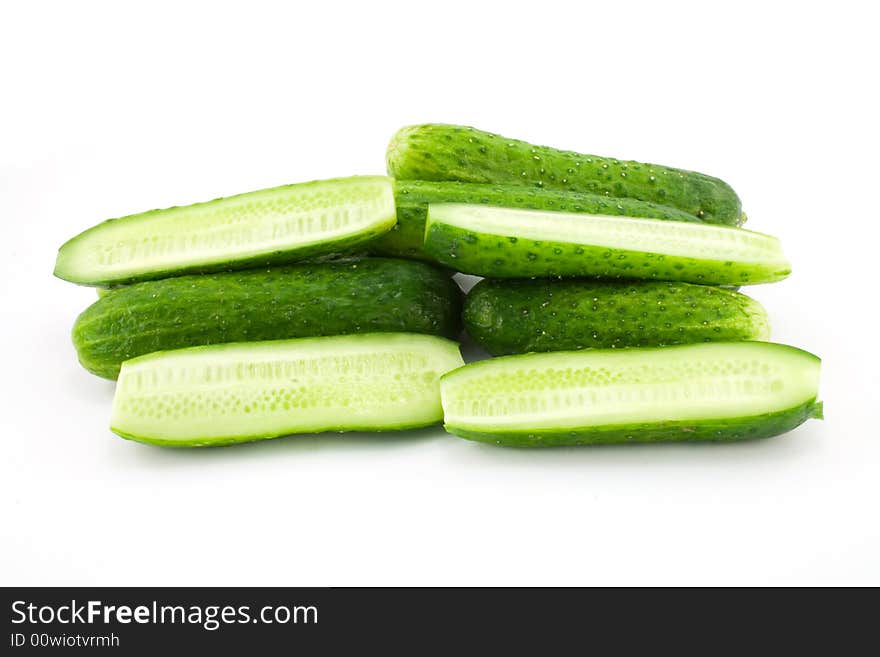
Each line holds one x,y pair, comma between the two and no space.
412,197
349,245
520,316
361,295
500,256
344,424
450,152
722,430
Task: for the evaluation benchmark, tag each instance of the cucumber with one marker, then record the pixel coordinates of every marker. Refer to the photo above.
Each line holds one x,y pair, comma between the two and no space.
412,197
717,391
271,226
234,393
512,243
366,295
450,152
518,316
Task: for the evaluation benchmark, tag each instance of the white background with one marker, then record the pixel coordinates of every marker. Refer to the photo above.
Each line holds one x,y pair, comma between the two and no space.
109,109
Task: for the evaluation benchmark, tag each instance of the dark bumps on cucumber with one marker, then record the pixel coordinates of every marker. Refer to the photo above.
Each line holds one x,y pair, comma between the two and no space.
412,198
519,316
365,295
436,151
516,243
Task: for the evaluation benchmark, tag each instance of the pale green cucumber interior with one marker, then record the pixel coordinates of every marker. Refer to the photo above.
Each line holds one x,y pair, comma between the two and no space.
233,228
263,389
613,387
673,238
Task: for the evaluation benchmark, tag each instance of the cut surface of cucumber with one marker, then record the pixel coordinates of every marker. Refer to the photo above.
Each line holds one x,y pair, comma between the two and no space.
270,226
516,243
711,391
413,197
238,392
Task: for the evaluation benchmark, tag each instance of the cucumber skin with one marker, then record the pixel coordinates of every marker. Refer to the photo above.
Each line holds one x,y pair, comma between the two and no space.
236,440
365,295
412,197
437,152
520,316
346,246
748,428
499,256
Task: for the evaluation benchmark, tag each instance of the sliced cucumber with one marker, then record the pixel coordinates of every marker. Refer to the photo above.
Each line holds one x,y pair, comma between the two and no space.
710,391
270,226
238,392
517,243
412,198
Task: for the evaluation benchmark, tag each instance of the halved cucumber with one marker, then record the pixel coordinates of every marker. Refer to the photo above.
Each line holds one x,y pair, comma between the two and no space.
238,392
516,243
712,391
413,197
270,226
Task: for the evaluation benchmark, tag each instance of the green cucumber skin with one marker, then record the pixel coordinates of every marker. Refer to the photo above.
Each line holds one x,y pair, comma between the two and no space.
520,316
309,299
722,430
451,152
235,440
412,198
500,256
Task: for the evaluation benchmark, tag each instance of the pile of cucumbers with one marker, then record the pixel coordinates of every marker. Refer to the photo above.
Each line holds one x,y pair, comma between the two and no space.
609,296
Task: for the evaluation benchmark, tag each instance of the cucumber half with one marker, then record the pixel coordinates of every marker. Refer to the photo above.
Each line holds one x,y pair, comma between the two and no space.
711,391
516,243
239,392
270,226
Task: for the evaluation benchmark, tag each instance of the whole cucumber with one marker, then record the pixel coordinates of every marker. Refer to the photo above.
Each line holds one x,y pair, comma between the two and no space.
436,151
519,316
367,295
412,197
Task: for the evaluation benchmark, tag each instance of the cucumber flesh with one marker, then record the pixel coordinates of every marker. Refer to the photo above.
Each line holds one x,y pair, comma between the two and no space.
710,391
239,392
412,198
516,243
270,226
